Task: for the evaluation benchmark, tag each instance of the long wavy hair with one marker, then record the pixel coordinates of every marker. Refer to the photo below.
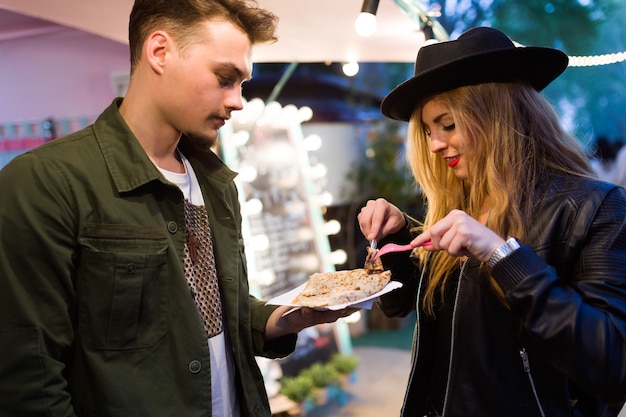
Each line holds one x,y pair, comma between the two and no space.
517,140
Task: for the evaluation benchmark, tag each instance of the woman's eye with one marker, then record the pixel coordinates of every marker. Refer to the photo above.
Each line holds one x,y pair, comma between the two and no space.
449,127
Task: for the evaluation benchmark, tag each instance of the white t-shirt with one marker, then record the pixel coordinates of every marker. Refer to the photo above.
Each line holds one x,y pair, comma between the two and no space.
223,394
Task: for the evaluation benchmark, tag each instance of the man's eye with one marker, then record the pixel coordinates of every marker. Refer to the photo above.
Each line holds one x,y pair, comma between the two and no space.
225,81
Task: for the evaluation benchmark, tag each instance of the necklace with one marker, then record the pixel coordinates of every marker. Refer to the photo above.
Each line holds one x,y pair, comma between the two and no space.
189,184
192,241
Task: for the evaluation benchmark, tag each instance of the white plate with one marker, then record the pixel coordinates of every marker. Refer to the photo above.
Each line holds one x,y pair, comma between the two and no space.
286,299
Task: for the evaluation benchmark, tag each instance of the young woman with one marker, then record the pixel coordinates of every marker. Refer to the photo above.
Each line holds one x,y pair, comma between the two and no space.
521,292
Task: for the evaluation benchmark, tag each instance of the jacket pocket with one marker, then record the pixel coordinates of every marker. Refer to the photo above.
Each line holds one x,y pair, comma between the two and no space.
122,286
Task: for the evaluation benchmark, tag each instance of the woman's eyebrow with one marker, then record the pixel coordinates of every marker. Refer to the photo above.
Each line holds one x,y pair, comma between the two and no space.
438,118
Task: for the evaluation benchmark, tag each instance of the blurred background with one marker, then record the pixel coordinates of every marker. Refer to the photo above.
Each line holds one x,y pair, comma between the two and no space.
310,145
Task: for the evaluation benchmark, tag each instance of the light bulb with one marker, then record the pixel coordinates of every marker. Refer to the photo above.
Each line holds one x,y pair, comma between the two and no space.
252,207
248,173
365,24
332,227
317,171
259,242
350,68
338,257
305,113
312,142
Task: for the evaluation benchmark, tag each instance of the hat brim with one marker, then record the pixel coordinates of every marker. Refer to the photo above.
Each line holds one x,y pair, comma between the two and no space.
535,65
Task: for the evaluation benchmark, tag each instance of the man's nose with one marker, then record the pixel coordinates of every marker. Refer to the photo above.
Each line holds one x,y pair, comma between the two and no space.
234,99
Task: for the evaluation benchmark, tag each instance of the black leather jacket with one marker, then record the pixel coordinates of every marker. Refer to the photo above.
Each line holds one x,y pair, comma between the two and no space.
559,348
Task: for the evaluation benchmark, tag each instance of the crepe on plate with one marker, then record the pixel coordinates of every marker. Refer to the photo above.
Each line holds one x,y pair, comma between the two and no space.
325,289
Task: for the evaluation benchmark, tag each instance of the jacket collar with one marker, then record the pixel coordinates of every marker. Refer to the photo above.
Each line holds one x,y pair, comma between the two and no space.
208,165
129,165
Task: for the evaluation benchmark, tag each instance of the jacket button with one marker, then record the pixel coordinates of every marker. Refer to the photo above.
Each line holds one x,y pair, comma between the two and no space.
130,268
194,366
172,227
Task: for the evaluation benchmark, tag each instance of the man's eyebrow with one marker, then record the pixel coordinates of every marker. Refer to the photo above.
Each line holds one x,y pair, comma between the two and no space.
245,76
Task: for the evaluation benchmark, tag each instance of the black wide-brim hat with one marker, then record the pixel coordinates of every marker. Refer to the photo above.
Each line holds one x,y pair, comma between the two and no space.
479,55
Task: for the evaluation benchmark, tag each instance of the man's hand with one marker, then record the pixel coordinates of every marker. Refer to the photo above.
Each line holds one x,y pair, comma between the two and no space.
280,325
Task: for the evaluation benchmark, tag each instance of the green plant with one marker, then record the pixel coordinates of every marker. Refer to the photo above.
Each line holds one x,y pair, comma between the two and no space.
322,374
343,363
298,388
382,171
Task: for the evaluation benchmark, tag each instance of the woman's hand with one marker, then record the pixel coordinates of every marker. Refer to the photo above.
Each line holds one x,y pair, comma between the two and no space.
380,218
460,235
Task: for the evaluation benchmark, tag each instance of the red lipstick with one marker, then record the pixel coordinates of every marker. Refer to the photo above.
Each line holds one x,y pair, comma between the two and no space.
454,162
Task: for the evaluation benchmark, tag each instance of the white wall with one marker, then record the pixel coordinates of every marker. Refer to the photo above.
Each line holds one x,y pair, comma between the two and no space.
67,75
61,74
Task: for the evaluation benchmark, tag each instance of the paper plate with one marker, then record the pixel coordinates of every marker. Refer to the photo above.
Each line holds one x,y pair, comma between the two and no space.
286,299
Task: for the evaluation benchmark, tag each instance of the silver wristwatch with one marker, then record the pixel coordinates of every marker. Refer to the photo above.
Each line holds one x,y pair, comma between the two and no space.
503,251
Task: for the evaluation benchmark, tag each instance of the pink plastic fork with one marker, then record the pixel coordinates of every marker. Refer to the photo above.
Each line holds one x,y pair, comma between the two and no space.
393,247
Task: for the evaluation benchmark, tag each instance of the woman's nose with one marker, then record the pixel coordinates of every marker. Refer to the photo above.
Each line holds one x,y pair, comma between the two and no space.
436,144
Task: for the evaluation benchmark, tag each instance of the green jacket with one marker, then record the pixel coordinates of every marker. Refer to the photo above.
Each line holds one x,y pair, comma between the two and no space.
96,318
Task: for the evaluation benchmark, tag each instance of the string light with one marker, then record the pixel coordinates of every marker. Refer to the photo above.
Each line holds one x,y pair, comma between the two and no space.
597,60
365,23
350,68
592,60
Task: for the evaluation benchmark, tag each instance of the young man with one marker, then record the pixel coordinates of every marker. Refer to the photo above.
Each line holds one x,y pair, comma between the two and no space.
122,251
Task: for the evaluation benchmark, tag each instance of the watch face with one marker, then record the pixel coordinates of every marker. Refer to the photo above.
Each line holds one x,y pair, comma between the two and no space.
513,243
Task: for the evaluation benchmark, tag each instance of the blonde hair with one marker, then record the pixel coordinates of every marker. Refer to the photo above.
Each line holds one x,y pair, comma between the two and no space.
517,141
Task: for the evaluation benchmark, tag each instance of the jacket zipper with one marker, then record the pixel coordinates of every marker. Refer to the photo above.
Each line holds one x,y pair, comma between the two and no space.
454,311
522,352
416,338
524,355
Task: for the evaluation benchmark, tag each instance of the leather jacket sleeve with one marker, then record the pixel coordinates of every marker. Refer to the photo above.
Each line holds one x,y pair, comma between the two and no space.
576,314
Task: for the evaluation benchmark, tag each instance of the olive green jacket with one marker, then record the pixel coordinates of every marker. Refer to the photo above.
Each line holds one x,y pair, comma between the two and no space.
96,317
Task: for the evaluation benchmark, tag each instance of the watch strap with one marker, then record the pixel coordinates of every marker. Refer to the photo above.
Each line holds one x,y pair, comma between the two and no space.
503,251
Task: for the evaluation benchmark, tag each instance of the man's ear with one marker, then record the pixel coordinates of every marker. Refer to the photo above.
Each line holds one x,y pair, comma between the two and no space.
157,46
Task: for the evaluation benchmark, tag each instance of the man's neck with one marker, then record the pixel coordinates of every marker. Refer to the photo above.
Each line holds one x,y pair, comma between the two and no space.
157,139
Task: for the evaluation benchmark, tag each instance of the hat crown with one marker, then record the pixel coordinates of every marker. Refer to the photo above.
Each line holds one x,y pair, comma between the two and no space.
472,43
480,55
